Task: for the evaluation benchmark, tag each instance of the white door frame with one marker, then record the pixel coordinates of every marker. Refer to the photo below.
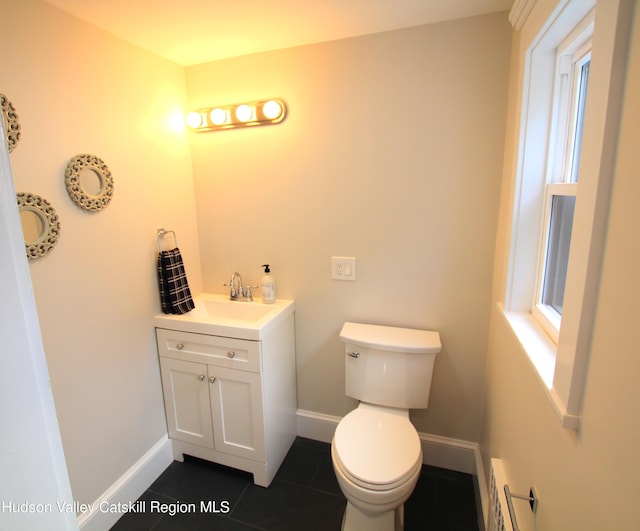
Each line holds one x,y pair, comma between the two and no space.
35,492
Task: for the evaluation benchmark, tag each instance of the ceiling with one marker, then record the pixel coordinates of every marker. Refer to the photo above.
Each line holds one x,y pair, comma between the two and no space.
198,31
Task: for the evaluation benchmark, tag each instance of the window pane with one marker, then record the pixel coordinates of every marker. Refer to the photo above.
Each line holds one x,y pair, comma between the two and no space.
577,139
555,275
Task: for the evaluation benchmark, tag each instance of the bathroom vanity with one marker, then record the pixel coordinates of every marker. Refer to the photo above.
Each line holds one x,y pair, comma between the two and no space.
228,378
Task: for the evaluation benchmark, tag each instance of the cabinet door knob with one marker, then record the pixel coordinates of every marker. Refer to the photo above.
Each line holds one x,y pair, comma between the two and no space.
201,377
231,354
179,346
212,379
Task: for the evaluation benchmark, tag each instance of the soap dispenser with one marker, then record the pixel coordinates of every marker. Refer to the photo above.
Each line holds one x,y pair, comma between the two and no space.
267,286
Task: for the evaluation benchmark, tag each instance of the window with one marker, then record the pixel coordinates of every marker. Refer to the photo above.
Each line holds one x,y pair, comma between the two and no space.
573,60
571,91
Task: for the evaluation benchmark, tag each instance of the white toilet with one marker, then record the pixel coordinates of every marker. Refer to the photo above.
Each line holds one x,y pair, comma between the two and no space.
376,451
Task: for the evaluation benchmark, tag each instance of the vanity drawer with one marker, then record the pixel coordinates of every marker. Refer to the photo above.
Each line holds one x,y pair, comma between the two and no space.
212,350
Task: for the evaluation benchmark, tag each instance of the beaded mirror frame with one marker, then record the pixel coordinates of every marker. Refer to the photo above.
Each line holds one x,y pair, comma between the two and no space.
89,182
46,223
12,123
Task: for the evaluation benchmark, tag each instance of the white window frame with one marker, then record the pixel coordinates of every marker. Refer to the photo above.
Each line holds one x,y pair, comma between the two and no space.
561,173
562,362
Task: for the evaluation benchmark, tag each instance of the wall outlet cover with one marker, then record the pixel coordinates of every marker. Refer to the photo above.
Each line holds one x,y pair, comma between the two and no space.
343,268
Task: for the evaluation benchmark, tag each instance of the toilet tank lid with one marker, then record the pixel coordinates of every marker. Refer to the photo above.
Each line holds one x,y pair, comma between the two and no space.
391,338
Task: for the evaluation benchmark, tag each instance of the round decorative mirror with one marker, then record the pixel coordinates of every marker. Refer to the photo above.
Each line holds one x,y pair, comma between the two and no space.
40,224
12,125
89,182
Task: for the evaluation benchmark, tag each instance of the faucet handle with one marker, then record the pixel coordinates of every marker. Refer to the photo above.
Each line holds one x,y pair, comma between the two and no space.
232,293
248,292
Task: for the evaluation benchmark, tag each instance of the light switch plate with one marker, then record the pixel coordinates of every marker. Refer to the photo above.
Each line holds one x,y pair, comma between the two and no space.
343,268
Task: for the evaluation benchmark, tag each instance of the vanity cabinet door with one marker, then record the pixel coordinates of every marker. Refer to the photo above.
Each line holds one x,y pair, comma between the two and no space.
236,404
186,399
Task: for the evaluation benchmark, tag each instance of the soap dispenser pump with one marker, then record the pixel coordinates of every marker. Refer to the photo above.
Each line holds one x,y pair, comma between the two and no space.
267,286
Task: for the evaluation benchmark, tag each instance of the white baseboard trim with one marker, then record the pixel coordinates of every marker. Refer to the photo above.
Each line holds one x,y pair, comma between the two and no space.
128,488
316,426
443,452
449,453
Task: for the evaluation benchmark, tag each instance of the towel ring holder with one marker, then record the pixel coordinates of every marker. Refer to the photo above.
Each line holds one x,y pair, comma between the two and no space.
162,233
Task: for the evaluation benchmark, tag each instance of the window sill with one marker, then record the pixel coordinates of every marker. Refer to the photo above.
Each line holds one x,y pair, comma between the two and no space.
541,351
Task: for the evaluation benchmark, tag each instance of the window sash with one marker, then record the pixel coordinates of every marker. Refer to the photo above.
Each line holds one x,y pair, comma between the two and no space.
572,77
554,256
582,69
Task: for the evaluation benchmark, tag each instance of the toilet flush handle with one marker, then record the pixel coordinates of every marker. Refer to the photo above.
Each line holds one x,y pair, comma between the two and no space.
354,354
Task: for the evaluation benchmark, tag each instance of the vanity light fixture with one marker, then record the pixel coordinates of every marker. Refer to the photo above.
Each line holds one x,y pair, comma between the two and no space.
237,115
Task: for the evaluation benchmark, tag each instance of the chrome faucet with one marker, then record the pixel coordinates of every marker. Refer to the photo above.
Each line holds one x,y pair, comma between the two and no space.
237,290
236,286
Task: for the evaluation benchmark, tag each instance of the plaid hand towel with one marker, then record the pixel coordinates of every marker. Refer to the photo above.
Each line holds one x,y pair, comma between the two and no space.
175,295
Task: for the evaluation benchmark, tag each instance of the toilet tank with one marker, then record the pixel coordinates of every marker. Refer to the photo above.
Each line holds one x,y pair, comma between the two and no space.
389,366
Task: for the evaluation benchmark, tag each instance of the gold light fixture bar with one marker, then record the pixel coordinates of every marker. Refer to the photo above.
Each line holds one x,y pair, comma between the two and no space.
237,115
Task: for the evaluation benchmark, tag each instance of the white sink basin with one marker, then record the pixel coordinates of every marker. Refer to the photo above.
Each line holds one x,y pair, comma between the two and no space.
243,311
217,315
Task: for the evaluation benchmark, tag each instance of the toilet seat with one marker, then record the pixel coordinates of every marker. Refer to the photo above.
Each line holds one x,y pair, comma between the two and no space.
377,450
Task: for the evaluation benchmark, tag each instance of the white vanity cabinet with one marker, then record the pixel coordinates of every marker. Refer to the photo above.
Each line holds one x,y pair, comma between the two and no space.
228,400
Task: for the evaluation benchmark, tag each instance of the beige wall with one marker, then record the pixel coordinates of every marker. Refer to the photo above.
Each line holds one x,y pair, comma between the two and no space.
79,90
585,480
392,153
413,196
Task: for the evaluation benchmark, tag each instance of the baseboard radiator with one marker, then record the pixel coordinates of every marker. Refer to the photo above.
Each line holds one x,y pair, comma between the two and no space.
502,516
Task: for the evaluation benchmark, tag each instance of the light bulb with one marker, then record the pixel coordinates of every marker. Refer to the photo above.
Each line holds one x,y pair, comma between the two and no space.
195,119
244,113
218,116
272,110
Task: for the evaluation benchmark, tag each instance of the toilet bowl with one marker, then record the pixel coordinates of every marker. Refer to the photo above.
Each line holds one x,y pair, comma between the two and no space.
375,450
377,459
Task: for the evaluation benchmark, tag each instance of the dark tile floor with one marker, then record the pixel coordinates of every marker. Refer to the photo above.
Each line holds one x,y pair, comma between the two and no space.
303,496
